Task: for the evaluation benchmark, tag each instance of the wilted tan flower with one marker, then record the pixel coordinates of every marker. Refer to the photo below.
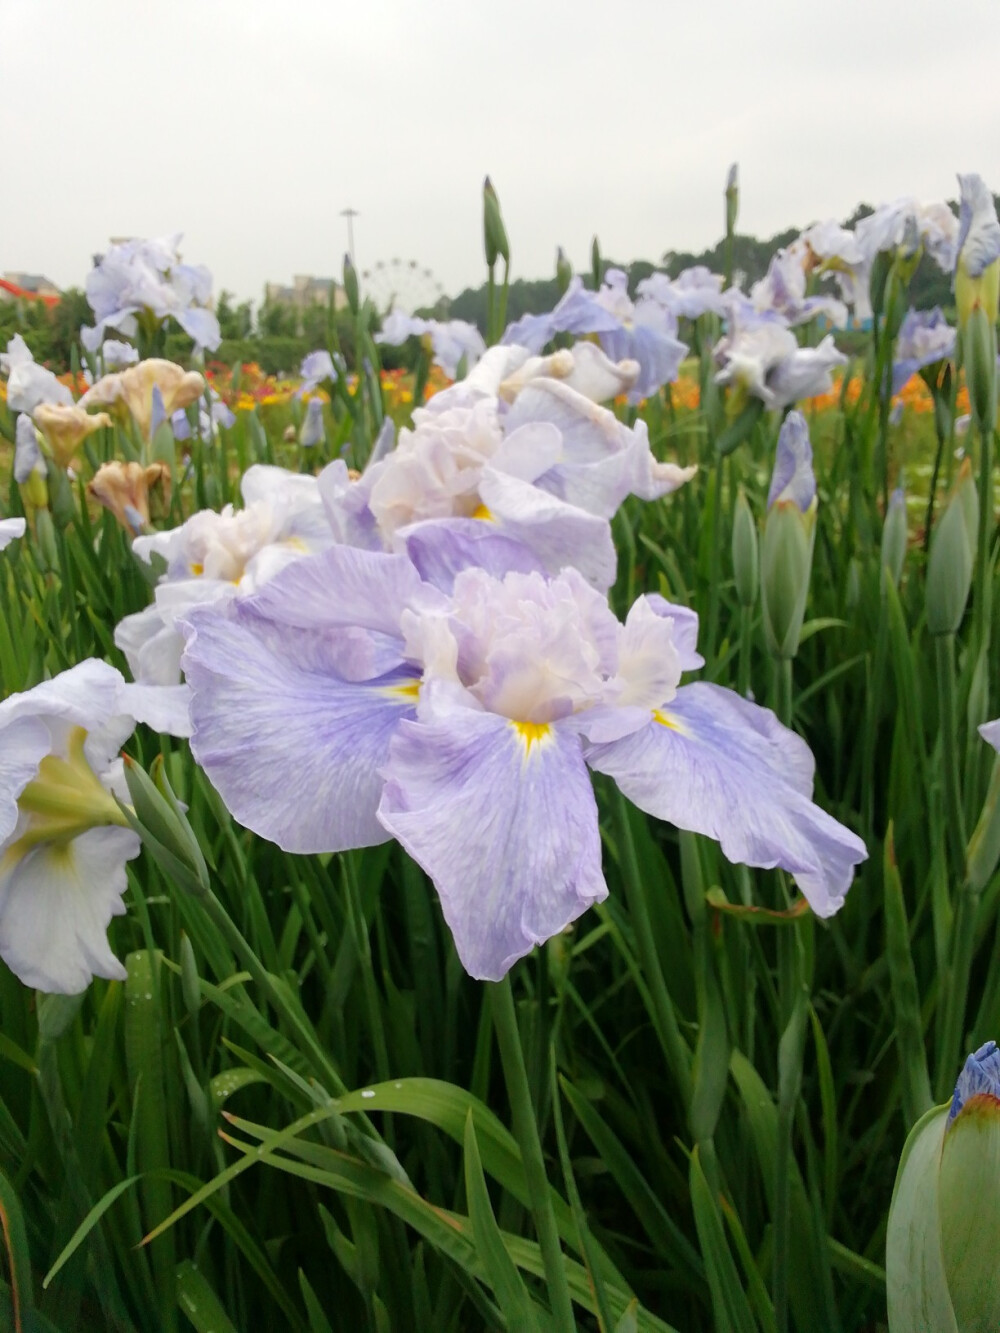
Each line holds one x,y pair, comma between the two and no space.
64,428
134,387
124,489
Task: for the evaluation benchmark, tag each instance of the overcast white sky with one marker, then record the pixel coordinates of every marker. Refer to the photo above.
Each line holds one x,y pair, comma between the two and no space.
250,126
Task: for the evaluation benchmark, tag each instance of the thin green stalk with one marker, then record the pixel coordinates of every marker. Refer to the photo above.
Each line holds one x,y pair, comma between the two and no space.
963,944
929,517
716,566
675,1048
746,647
526,1133
783,690
945,661
984,589
794,1005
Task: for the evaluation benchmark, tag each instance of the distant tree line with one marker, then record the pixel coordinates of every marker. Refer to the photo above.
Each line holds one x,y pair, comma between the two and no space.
277,336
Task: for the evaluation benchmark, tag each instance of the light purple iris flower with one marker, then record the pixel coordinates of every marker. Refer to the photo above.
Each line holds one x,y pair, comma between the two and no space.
452,340
642,331
313,431
925,337
462,721
933,225
545,472
695,291
27,450
978,229
315,368
980,1077
10,530
793,479
783,289
147,278
760,356
29,384
209,421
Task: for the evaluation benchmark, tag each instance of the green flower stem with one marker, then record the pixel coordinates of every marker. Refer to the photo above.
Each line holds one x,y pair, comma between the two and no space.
929,516
783,690
716,569
984,589
963,945
526,1133
675,1048
945,661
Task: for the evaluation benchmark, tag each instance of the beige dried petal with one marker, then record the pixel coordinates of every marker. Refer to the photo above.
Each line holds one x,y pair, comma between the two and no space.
134,387
124,489
64,428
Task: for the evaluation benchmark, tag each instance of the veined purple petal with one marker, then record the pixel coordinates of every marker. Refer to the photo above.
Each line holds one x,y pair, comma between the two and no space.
793,478
440,548
712,763
294,746
338,588
505,823
558,533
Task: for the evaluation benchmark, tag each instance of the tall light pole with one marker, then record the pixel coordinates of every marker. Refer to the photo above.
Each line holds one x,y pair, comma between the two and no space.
350,214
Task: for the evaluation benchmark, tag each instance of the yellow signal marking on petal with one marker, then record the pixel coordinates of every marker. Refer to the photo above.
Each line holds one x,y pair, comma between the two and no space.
482,512
666,721
197,570
411,690
532,733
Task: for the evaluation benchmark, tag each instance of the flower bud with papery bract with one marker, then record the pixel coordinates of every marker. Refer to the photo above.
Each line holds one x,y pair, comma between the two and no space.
953,550
944,1221
789,535
746,558
894,536
494,232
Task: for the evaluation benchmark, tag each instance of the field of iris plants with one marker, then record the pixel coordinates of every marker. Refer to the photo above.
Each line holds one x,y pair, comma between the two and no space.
512,845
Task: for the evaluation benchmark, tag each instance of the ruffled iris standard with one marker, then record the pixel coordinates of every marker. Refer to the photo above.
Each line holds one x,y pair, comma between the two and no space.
350,701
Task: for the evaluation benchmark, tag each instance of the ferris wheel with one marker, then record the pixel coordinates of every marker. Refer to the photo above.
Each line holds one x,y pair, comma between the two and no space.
403,284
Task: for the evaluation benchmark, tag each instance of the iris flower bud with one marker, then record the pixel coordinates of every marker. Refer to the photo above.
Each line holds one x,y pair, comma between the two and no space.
732,197
494,232
894,537
944,1221
746,558
953,550
789,536
564,271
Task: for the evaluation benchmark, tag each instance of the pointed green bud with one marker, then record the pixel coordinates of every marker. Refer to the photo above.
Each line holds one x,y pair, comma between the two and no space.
564,271
785,569
877,280
596,263
746,557
789,536
916,1290
953,550
351,285
494,232
979,358
160,821
732,198
969,1194
894,538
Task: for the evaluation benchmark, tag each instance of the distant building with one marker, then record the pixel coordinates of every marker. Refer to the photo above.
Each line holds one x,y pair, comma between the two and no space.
304,292
28,287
